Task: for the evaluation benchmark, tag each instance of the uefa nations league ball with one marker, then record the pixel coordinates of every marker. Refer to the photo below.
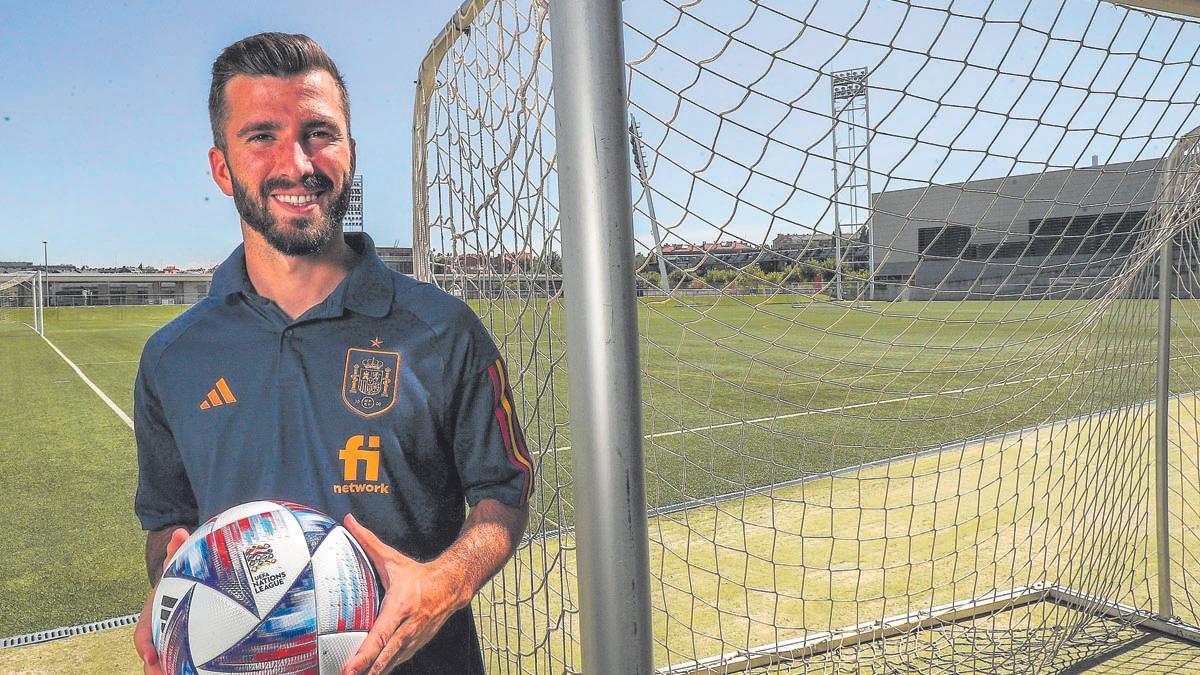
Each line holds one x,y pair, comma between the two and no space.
265,587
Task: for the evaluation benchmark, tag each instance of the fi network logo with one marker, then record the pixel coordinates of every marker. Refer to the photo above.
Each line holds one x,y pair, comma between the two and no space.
360,452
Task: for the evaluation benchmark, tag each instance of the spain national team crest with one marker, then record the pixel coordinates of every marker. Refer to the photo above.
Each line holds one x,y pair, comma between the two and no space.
369,385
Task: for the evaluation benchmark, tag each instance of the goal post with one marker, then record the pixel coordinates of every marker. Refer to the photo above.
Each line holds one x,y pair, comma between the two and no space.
924,389
596,217
21,300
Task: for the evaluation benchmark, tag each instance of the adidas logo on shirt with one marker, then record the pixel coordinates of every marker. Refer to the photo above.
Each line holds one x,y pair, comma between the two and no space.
219,395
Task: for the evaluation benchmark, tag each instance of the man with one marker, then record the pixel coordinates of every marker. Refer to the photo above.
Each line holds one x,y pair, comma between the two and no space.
313,374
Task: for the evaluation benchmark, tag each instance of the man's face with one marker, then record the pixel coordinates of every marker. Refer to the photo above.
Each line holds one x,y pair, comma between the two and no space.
288,159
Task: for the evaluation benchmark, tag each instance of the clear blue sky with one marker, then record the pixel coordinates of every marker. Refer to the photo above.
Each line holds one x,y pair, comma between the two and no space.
104,123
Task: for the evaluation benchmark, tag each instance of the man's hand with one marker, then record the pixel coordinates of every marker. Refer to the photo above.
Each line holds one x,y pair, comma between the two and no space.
417,600
419,597
143,635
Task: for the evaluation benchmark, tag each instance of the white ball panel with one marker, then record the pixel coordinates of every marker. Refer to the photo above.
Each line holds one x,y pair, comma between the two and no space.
337,565
328,559
335,650
217,623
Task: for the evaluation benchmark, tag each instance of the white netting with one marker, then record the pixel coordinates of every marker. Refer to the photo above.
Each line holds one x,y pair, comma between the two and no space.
20,301
908,354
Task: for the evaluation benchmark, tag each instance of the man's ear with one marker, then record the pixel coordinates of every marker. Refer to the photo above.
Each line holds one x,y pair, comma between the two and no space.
220,170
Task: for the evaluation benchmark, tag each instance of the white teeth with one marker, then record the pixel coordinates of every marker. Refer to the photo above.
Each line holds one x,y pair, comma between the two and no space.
297,200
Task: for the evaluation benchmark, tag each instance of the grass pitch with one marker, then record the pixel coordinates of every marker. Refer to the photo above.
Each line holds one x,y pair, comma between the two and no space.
822,387
71,547
904,536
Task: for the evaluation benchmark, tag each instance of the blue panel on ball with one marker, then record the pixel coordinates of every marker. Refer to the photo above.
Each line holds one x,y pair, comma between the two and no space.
283,642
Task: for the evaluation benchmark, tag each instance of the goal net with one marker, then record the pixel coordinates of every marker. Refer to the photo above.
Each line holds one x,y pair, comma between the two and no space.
21,302
900,377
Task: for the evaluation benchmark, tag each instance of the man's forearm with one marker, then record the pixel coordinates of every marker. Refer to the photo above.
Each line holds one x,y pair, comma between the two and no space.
488,539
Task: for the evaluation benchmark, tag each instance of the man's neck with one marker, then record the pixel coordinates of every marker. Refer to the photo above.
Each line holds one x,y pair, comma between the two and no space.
296,284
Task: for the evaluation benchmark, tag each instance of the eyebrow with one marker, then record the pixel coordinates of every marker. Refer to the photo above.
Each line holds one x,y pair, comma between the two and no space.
256,127
319,123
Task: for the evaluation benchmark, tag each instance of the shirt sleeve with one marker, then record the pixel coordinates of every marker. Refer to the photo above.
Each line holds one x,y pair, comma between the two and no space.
164,494
489,447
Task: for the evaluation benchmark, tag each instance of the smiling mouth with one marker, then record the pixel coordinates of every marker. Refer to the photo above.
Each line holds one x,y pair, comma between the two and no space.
299,200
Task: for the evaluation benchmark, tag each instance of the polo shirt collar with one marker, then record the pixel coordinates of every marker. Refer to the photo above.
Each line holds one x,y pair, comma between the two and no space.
367,289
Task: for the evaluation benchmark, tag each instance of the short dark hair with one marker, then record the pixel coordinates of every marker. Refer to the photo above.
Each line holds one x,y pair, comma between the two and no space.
266,54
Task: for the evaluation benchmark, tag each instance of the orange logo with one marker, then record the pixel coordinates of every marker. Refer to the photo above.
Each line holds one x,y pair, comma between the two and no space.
218,395
352,455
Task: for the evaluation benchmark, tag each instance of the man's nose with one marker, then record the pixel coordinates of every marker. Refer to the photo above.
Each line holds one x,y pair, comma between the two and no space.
293,161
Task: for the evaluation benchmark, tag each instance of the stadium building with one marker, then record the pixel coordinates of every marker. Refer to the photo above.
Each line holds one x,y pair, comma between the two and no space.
71,289
1057,234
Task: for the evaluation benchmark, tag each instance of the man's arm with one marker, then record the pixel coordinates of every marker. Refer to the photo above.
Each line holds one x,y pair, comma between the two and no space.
160,545
420,597
488,540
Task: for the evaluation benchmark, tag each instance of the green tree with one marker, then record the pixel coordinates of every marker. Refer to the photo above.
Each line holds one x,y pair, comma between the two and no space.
720,278
750,277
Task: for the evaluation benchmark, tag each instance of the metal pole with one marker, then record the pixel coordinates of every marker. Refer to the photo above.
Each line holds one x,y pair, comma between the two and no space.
1166,608
639,158
837,199
45,279
39,301
596,214
37,282
870,225
41,304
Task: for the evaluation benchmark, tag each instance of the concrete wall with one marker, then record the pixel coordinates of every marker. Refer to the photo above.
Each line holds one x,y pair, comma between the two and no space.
999,211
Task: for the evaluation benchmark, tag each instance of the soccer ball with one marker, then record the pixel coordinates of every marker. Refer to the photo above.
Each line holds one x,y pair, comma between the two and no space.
264,587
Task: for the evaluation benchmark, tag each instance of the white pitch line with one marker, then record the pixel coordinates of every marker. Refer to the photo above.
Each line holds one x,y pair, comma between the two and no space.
104,397
806,413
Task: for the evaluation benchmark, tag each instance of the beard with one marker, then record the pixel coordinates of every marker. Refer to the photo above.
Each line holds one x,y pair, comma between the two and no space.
308,235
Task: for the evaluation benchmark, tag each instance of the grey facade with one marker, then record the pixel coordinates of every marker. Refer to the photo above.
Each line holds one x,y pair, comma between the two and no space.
399,258
1058,234
84,289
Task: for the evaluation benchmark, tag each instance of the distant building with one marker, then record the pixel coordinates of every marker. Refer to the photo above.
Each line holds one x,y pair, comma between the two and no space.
399,258
699,258
66,289
353,221
792,249
1057,234
10,266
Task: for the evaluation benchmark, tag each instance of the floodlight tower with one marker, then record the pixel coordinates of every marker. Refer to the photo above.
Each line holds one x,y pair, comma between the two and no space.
639,159
851,169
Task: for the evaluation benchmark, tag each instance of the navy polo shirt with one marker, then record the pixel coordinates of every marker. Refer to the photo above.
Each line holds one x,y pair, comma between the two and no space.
388,400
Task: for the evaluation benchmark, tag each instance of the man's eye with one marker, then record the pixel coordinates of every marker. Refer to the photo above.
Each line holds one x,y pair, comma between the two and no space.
320,134
259,137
